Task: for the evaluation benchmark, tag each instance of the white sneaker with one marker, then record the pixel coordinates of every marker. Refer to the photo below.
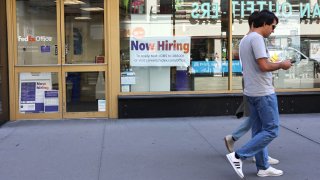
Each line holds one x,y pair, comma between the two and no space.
236,164
271,160
229,142
269,172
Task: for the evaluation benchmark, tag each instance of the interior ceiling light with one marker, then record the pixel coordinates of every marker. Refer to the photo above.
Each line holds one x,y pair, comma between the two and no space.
82,18
92,9
72,2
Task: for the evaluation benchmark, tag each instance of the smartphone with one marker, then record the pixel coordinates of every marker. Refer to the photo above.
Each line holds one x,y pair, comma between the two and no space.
292,60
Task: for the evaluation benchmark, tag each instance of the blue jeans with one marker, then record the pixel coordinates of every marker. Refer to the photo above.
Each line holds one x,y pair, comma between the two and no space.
244,127
265,127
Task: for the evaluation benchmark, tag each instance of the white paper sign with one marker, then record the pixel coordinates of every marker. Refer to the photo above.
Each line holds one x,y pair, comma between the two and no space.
160,51
101,105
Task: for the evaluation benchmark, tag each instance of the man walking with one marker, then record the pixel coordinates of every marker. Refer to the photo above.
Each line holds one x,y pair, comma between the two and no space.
245,126
260,94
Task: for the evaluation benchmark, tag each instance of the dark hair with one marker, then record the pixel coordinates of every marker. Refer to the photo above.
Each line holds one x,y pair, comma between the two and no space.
264,17
252,17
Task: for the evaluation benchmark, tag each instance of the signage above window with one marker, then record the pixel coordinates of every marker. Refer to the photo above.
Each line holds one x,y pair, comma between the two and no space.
210,10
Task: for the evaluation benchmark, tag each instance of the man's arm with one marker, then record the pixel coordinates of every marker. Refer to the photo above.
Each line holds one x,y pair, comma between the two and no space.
266,66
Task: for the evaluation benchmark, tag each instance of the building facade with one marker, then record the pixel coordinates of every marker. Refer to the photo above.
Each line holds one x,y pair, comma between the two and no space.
4,91
151,58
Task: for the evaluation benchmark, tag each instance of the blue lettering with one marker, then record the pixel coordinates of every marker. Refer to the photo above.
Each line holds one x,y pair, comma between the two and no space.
315,11
142,46
134,45
277,9
286,7
205,8
234,3
250,6
304,10
242,9
215,8
194,12
261,3
270,6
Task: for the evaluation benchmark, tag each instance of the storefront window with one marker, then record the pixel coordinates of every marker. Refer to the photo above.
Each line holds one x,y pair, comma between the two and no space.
38,92
173,45
84,37
85,91
296,37
36,32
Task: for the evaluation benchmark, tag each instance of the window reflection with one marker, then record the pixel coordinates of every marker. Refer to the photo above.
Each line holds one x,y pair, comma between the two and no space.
147,65
296,37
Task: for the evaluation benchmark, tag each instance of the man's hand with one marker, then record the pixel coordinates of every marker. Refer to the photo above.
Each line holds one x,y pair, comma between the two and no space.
286,64
266,66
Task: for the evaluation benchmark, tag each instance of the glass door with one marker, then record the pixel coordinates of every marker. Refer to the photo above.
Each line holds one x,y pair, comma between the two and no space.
59,65
83,61
37,61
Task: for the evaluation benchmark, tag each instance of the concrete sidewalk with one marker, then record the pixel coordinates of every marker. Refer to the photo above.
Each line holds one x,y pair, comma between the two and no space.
149,149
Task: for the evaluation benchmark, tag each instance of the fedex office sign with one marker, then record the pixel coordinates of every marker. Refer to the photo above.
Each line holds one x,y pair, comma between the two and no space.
30,38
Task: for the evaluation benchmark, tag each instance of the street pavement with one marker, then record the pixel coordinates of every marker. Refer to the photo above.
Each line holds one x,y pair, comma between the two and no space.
190,148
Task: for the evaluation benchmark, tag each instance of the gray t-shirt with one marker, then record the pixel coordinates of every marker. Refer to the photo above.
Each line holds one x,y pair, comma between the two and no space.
256,82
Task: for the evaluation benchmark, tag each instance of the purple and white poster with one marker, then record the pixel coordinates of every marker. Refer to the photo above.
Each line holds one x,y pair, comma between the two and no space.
51,101
32,88
28,96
